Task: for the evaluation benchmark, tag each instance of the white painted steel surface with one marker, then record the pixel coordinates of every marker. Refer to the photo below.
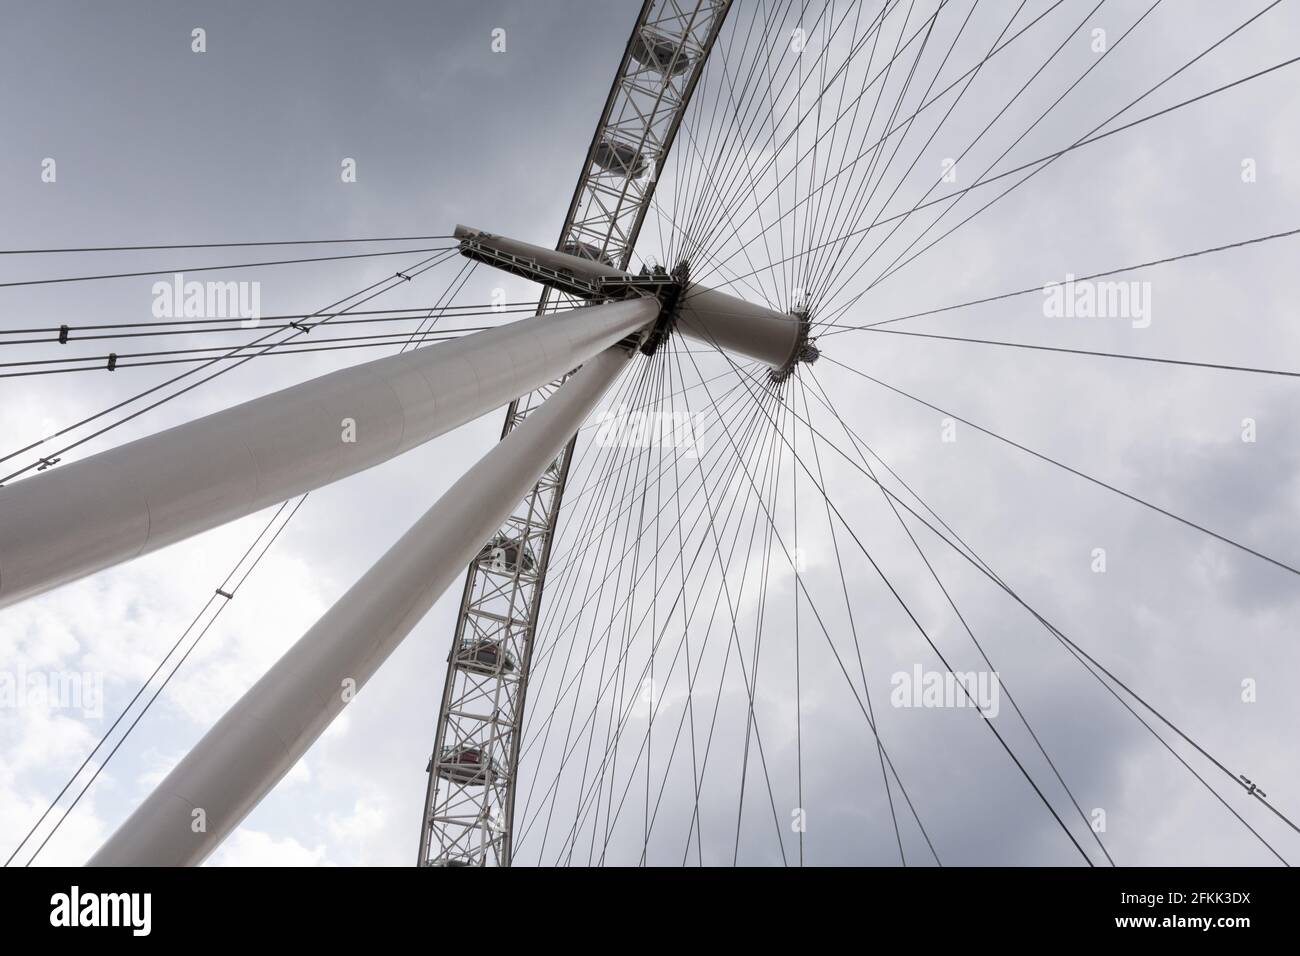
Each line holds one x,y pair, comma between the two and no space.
265,733
91,514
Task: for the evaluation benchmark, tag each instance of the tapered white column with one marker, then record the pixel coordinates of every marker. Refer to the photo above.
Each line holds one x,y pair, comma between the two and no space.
265,733
91,514
737,326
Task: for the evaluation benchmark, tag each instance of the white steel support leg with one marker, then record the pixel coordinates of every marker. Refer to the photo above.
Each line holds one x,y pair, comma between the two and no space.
91,514
265,733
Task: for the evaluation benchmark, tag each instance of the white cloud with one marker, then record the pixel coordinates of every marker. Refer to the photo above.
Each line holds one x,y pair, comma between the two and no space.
247,847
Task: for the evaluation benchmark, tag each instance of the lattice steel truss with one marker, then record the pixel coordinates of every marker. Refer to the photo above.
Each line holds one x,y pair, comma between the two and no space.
469,803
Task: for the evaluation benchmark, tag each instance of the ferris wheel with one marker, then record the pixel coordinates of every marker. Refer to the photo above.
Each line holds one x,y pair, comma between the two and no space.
709,611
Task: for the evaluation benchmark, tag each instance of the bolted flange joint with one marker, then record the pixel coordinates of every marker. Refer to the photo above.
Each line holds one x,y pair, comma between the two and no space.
805,349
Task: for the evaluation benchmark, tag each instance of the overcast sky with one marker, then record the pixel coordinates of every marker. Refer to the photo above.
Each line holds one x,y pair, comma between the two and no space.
156,143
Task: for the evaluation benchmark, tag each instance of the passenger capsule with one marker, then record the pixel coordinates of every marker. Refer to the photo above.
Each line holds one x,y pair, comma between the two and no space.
657,52
485,657
507,555
468,765
586,250
622,159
